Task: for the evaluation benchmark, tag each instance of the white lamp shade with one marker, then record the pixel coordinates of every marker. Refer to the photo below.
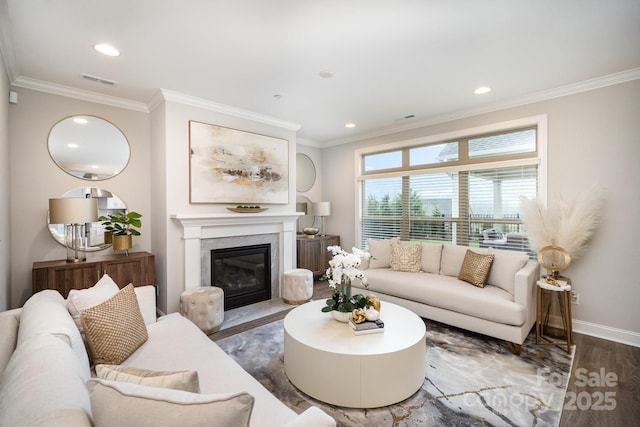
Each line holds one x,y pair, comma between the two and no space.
321,208
73,210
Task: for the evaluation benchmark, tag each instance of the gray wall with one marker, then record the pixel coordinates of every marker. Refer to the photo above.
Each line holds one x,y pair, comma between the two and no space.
35,178
593,138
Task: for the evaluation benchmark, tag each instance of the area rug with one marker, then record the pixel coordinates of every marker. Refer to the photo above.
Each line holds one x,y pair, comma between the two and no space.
471,380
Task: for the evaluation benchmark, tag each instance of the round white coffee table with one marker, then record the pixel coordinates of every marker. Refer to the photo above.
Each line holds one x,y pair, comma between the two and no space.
327,361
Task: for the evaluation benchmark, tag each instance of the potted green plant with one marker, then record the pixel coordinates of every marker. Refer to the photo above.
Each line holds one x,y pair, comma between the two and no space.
122,226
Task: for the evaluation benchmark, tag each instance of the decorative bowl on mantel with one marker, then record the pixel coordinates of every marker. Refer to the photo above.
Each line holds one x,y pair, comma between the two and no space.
247,209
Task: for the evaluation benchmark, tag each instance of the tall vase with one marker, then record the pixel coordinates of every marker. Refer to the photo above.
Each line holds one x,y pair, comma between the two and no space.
344,292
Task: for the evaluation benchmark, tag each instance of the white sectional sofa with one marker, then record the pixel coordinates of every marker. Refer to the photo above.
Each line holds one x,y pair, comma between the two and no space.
46,379
504,308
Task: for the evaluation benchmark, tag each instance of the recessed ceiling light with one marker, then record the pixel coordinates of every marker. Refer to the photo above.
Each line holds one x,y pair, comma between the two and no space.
350,125
72,145
482,90
80,120
106,49
326,74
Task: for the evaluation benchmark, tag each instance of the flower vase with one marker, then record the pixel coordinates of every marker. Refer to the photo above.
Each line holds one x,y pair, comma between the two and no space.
344,292
341,316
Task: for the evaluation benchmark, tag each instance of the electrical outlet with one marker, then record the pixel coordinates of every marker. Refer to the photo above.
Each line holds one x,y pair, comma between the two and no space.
575,297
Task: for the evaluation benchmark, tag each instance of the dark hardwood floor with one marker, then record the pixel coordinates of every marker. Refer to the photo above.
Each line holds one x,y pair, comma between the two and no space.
604,388
592,397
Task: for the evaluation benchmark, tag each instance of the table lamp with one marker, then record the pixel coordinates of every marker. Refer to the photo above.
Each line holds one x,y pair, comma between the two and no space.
74,213
321,209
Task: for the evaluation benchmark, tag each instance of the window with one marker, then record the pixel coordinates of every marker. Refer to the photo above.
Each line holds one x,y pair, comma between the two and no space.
465,192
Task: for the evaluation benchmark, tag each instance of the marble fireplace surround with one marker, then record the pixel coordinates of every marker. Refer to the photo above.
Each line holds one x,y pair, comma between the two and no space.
200,230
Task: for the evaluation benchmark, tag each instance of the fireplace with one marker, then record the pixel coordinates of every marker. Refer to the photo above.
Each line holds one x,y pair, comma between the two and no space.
243,273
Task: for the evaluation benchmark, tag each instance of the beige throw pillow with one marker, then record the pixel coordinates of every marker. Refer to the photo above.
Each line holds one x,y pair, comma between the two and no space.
178,380
380,251
475,268
406,256
126,404
115,328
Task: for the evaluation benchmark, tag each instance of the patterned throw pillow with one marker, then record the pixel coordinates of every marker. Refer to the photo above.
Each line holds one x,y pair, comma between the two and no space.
475,268
115,328
406,256
176,380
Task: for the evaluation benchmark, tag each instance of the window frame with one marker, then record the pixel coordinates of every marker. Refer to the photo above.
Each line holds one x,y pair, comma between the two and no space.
537,157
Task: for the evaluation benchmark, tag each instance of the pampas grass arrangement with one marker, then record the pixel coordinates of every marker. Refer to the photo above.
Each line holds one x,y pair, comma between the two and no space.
568,223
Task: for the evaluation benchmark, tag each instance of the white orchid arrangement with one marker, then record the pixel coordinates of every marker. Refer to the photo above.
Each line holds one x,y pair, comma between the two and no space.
346,264
343,268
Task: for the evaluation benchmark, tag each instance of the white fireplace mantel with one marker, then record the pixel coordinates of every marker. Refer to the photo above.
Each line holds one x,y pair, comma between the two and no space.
196,227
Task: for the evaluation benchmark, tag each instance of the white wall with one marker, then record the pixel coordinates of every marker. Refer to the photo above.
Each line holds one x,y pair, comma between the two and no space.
5,191
593,138
171,185
35,178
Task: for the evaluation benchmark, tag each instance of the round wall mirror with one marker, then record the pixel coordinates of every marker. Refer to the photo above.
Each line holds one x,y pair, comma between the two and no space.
88,147
305,173
306,220
107,203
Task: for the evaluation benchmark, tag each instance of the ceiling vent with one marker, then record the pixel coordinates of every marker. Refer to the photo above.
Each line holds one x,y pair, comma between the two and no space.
98,79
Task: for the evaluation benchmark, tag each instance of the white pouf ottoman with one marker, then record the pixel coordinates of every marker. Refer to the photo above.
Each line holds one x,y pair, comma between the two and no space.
298,286
203,306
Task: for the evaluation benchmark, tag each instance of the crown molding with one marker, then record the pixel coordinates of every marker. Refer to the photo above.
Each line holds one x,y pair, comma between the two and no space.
6,46
83,95
205,104
571,89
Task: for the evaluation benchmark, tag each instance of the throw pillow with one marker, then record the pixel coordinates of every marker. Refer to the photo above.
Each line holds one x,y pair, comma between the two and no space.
81,299
475,268
180,380
115,328
406,256
380,251
505,266
120,404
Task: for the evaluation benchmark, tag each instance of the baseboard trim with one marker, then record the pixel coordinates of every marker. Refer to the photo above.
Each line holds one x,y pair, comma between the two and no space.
606,332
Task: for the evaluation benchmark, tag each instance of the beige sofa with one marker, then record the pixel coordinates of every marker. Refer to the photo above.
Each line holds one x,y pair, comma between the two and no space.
504,308
47,380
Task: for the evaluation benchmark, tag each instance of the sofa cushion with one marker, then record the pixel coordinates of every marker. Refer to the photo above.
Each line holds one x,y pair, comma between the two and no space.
380,251
490,303
8,337
452,258
475,268
44,385
505,266
81,299
406,256
115,328
126,404
431,253
218,373
176,380
46,312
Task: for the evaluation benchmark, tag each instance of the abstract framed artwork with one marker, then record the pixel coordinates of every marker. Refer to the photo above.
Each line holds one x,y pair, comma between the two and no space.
233,166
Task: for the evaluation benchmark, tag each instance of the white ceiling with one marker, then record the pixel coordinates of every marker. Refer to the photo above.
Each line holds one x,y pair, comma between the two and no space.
389,59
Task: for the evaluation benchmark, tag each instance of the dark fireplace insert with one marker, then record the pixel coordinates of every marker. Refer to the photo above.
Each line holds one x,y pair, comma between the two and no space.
243,273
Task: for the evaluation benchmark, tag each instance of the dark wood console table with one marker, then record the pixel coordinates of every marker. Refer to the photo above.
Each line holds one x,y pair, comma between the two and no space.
137,268
312,252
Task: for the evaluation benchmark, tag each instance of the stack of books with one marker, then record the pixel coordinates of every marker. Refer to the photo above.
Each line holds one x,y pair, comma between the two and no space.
367,327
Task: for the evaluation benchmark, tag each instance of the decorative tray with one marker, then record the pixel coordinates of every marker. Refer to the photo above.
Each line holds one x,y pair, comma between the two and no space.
247,210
